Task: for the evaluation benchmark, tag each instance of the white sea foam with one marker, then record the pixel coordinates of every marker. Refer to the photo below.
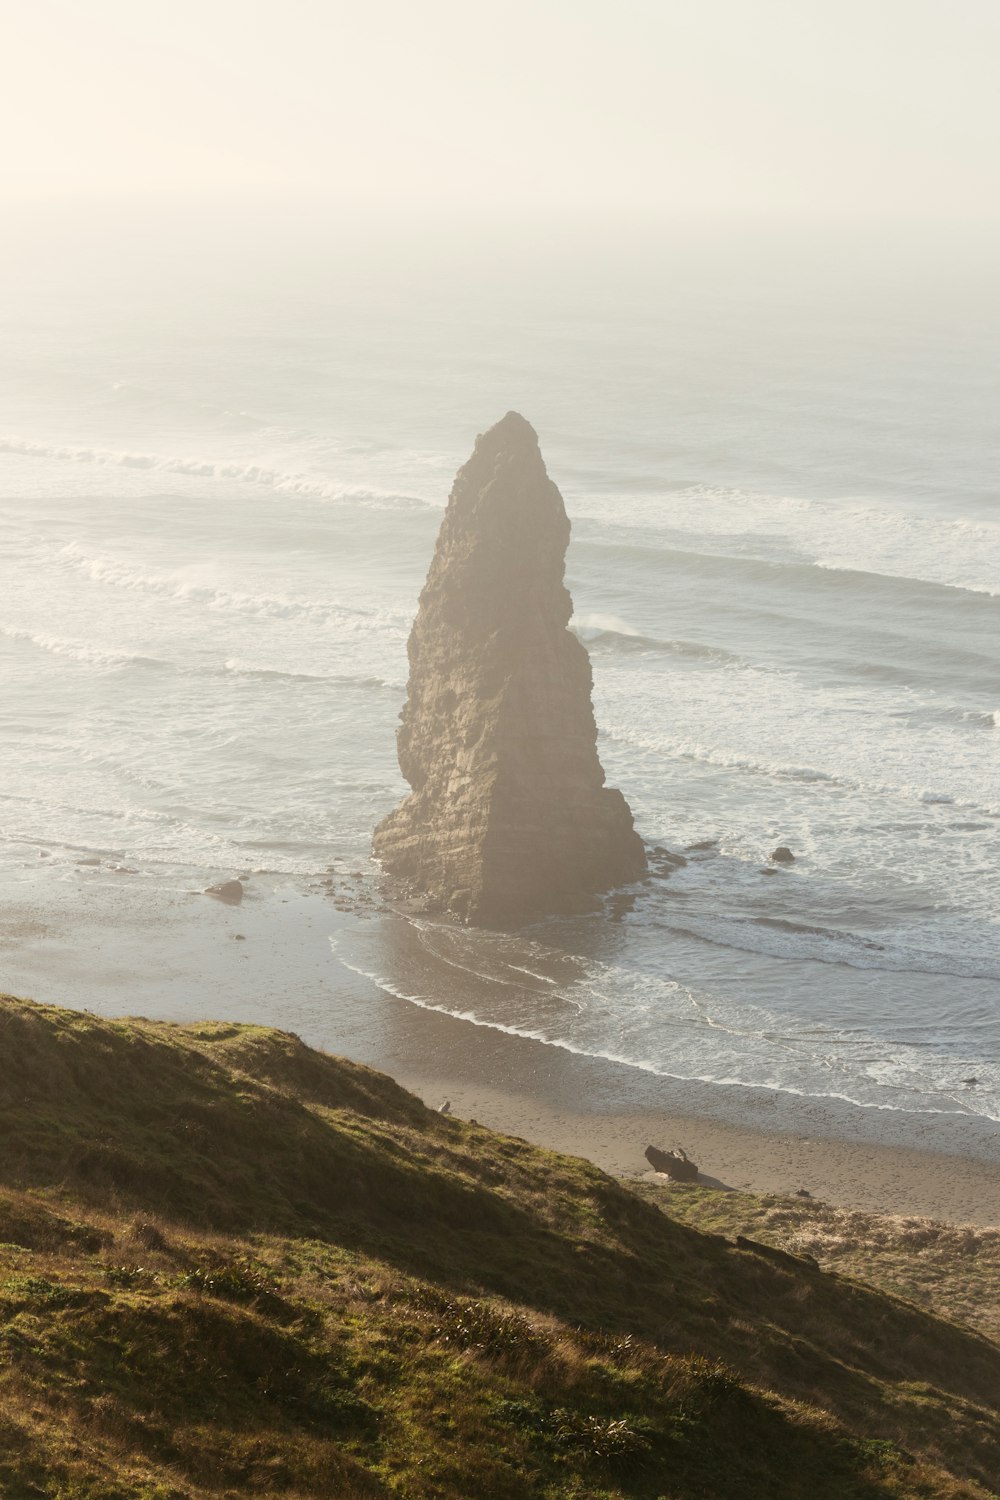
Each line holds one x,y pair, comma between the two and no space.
81,651
847,534
602,632
242,668
190,586
758,1059
234,470
789,727
595,622
888,952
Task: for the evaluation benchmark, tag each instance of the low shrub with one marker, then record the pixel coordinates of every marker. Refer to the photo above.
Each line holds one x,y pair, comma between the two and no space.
612,1439
242,1280
477,1325
129,1275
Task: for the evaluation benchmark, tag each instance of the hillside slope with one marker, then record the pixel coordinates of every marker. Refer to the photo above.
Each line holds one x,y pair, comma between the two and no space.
233,1265
951,1269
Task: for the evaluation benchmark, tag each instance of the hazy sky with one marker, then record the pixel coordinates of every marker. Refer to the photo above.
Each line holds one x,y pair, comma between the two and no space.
771,107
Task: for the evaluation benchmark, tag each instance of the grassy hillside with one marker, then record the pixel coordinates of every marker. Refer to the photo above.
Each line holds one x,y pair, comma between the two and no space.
231,1265
952,1269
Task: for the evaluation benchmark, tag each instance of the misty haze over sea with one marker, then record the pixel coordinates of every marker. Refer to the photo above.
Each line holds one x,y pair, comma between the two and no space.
220,491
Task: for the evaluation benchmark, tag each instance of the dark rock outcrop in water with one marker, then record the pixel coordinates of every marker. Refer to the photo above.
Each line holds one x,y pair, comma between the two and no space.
509,818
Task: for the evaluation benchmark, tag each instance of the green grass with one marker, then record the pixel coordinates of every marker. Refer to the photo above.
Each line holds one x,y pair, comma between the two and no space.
952,1269
230,1265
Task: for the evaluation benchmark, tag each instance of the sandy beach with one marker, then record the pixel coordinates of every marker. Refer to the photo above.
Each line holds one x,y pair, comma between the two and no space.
878,1178
123,943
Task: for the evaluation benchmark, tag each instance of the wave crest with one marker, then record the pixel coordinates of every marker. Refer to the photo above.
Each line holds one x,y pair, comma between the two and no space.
104,569
94,656
312,486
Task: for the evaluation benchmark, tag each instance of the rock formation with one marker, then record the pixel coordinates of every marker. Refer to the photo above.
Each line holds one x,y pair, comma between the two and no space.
675,1164
509,818
230,891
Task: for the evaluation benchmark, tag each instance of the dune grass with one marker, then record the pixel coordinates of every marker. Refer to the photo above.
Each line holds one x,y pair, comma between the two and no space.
230,1265
950,1269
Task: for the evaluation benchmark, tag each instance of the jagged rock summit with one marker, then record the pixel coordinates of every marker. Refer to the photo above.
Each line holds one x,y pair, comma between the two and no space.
509,818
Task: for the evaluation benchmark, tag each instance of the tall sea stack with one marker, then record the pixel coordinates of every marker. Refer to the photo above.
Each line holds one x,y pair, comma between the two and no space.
509,818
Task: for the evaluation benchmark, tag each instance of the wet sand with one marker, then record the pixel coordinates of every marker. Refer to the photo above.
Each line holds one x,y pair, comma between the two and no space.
136,943
850,1174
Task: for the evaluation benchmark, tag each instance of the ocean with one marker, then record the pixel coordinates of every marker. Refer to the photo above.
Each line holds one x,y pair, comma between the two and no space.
219,494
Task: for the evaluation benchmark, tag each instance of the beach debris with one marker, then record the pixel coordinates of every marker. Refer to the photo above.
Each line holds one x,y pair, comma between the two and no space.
675,1164
803,1193
782,855
445,1108
509,818
229,891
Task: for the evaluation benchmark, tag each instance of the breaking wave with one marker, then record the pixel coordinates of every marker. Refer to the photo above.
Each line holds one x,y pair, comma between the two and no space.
338,679
104,569
93,656
749,1051
600,632
261,475
701,752
842,536
782,938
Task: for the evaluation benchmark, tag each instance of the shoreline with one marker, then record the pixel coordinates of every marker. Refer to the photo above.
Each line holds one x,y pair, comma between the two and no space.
878,1178
130,944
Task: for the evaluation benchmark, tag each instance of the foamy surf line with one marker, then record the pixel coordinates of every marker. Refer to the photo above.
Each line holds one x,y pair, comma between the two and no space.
803,944
953,552
605,632
81,651
238,668
262,475
102,568
699,752
101,657
642,1065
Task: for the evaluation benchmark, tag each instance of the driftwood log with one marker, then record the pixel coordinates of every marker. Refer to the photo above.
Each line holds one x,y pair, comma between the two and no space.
676,1164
